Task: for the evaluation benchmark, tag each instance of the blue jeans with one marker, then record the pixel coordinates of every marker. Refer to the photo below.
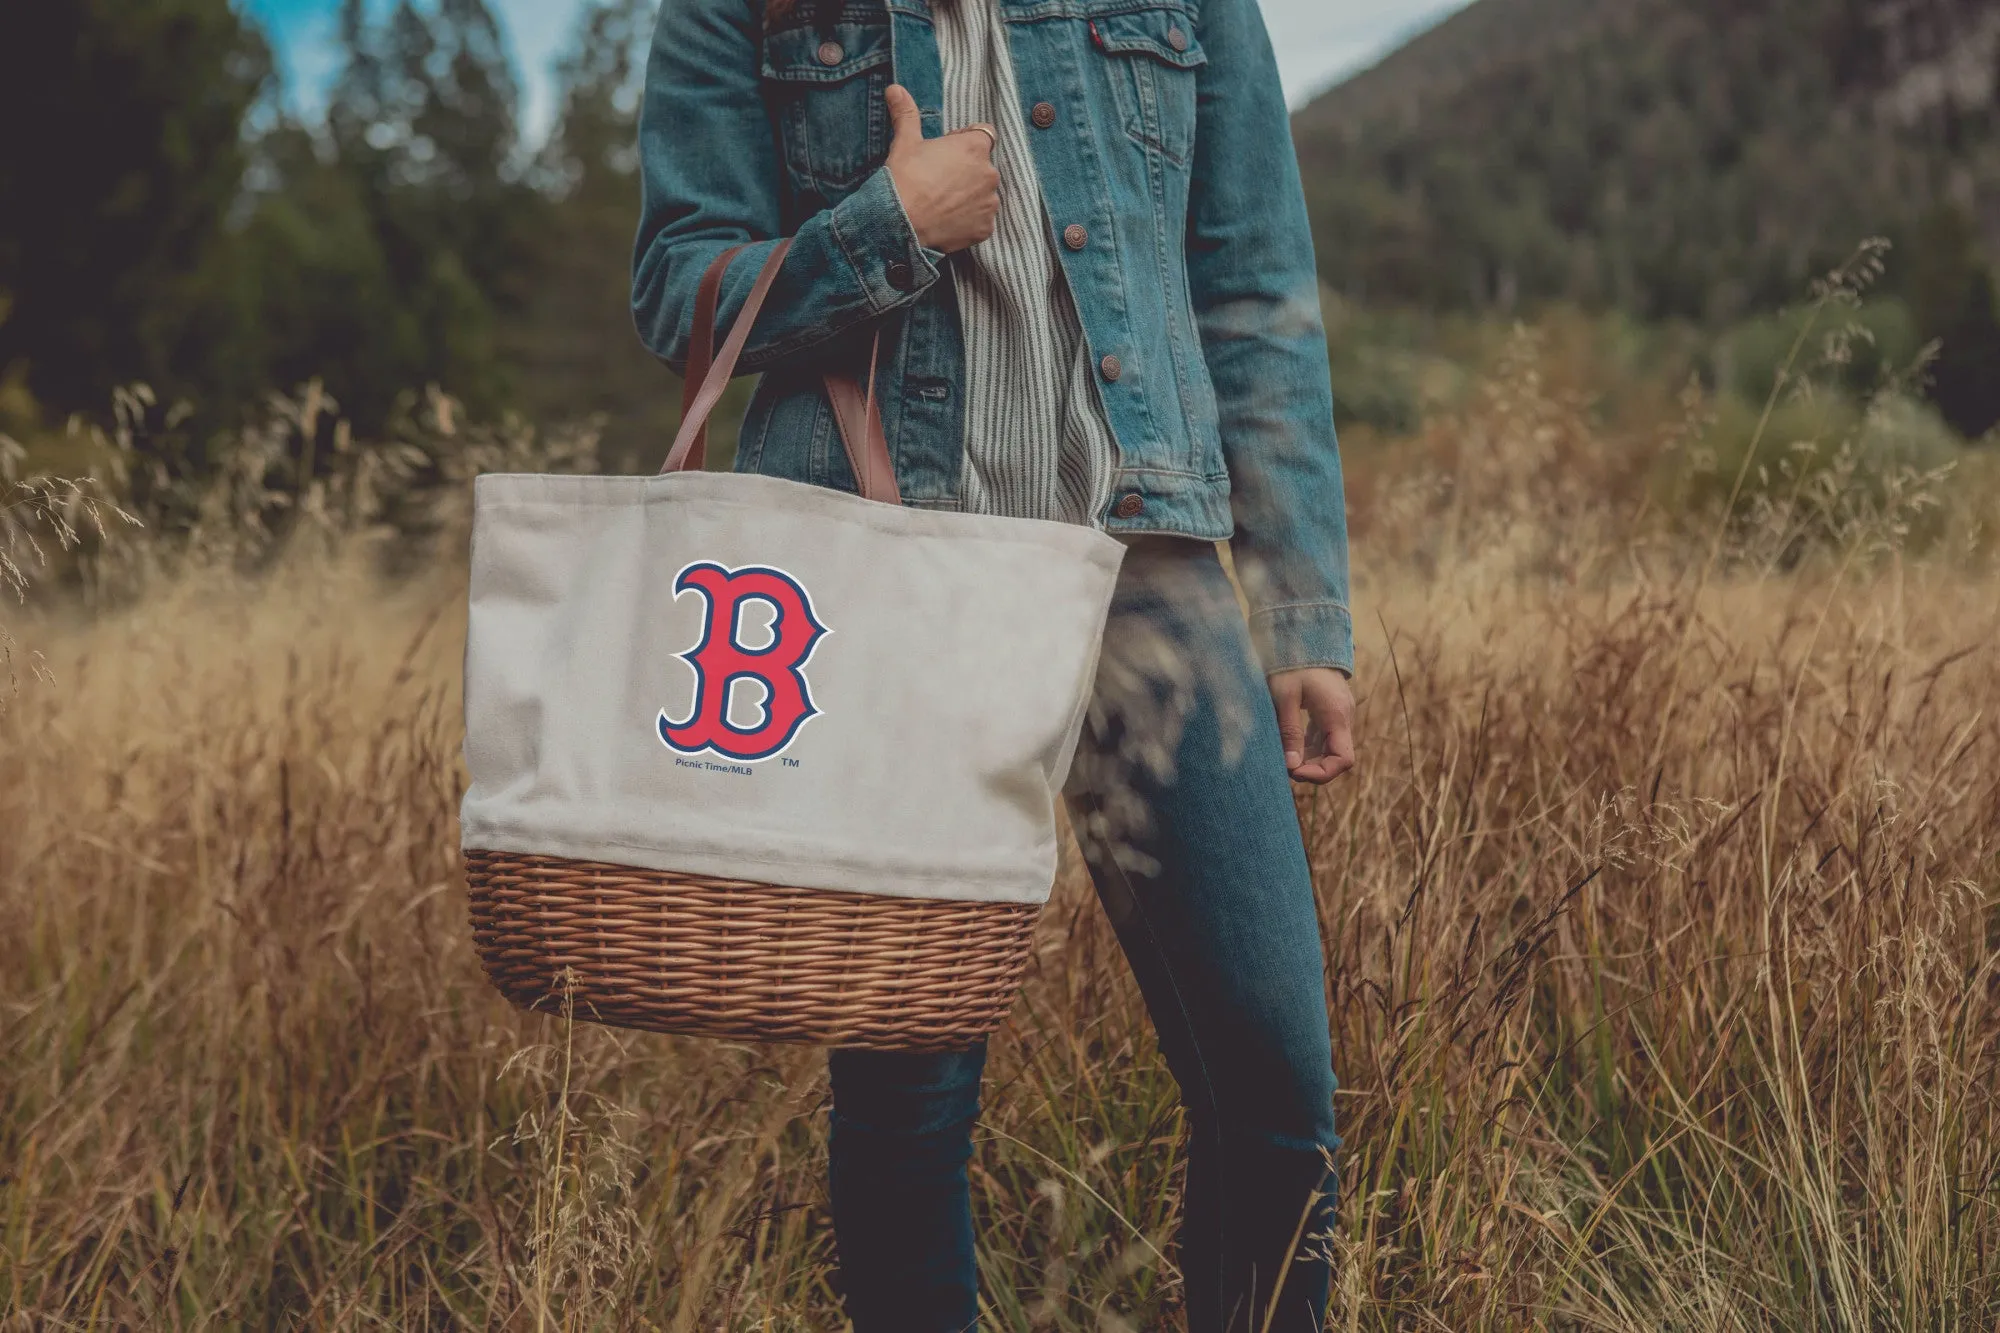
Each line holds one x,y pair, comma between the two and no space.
1185,816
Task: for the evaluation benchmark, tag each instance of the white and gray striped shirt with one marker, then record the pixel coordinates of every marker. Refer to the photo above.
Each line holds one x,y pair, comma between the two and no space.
1037,444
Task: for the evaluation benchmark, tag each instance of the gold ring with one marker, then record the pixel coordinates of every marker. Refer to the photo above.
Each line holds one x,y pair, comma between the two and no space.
992,135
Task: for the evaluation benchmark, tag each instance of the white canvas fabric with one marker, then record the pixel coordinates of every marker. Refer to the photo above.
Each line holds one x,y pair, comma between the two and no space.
946,690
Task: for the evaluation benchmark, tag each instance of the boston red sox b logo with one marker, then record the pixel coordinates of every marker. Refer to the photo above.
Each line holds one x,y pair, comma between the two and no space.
722,662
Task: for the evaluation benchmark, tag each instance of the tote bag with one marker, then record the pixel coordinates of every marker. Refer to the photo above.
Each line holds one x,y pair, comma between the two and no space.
756,759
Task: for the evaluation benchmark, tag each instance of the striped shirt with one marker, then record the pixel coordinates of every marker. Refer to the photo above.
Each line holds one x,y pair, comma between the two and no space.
1037,444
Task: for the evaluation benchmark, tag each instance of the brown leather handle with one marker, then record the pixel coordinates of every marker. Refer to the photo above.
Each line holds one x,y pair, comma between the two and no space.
701,350
694,413
859,415
857,412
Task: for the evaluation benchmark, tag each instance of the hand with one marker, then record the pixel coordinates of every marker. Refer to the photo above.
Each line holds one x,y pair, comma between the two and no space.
949,186
1321,694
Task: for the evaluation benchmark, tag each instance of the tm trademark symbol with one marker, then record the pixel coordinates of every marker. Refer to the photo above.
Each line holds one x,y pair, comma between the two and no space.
791,763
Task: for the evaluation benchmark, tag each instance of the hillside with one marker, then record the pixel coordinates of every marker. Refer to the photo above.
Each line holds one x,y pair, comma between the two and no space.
1673,158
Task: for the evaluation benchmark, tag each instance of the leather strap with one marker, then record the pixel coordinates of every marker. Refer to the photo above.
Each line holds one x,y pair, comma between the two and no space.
857,412
859,415
701,349
694,416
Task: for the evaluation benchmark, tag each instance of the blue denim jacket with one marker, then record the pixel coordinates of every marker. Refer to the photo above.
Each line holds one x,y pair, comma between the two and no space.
1159,130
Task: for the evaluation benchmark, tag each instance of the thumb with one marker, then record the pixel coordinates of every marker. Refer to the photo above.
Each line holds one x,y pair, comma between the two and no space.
905,121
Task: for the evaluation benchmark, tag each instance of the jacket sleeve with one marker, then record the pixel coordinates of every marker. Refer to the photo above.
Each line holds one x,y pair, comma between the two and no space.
710,179
1256,301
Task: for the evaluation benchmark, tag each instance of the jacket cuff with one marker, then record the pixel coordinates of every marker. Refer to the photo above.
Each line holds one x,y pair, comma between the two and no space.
874,234
1304,634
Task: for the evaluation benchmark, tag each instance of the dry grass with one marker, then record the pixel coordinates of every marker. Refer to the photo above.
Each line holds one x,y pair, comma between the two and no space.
1662,925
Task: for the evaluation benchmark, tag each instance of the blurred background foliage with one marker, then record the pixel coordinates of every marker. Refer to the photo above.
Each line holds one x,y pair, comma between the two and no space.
1693,162
174,222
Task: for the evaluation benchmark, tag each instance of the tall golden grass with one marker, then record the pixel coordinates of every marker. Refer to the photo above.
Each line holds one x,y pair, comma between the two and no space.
1662,924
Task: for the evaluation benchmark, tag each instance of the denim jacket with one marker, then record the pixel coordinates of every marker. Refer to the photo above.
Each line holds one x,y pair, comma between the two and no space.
1164,149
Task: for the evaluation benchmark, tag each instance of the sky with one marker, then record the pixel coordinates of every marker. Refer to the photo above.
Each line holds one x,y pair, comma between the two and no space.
1317,41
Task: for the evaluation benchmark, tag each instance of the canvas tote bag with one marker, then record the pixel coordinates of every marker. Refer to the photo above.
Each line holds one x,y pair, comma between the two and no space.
755,759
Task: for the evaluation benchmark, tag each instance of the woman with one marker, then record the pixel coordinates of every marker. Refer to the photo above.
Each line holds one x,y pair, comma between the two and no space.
1078,227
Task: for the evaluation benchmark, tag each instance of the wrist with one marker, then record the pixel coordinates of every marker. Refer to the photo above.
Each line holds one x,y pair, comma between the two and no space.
1310,668
918,227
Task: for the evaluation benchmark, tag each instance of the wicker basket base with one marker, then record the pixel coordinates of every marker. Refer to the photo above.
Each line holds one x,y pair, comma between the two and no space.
756,962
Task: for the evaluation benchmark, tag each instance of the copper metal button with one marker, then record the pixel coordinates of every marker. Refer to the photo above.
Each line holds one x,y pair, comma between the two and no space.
1111,366
1044,115
1175,38
900,275
1075,237
1131,506
832,53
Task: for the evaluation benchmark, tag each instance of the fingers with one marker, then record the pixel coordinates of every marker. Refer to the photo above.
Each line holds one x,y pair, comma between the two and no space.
977,142
1320,694
1329,702
906,123
1286,694
992,135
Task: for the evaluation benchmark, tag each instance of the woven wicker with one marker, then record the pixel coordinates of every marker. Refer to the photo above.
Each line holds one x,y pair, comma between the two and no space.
723,958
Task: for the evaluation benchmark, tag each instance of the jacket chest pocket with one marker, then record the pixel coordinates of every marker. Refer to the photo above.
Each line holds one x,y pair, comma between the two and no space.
825,91
1154,59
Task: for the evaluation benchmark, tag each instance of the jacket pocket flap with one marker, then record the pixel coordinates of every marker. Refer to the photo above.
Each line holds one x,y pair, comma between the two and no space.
1167,35
805,55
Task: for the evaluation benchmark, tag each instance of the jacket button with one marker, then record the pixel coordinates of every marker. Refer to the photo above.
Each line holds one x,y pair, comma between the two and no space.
1131,506
900,275
1175,38
832,53
1044,115
1075,237
1112,367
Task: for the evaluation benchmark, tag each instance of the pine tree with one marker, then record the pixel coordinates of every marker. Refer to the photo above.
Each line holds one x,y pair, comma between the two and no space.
579,354
120,163
413,235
